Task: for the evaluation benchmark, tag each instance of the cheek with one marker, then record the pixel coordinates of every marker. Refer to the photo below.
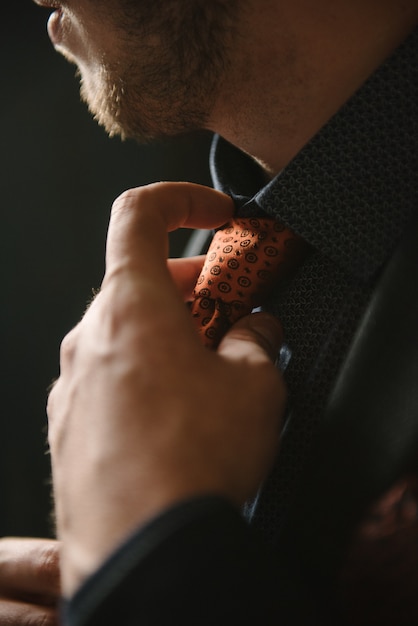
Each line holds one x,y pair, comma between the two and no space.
80,37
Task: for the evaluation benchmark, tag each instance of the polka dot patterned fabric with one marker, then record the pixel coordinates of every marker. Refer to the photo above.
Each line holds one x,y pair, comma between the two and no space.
245,259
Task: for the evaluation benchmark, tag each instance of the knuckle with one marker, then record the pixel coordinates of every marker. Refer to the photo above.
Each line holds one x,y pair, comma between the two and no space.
50,404
68,348
48,566
146,198
125,200
54,437
46,617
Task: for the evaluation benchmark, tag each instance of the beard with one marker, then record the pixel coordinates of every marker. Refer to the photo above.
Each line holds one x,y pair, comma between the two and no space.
165,74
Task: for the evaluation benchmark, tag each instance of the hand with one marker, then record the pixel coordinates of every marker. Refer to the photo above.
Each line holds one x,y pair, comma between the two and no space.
29,582
143,415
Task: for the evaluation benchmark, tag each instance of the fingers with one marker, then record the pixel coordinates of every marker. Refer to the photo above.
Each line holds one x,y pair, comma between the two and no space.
29,582
29,568
25,614
256,338
185,273
141,218
137,277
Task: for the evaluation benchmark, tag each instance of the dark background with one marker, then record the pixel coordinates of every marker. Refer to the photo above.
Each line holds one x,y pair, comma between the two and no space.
59,175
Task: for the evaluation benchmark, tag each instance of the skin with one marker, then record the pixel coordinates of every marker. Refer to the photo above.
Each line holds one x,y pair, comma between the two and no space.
148,69
177,65
107,395
29,581
319,54
175,454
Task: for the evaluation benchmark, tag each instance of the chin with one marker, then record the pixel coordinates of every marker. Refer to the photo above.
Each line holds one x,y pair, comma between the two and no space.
101,102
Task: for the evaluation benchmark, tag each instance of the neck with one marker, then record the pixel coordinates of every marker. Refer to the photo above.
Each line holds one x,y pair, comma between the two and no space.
298,64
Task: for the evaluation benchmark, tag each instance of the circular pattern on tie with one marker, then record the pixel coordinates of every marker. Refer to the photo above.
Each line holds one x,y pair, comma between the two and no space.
243,261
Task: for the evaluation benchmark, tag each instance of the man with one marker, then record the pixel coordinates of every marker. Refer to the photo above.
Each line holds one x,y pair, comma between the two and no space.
156,442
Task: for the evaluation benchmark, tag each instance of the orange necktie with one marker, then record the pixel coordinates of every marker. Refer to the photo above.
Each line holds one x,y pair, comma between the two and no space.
246,258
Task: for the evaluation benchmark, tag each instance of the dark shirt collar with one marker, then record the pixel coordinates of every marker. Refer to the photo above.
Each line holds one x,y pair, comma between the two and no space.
351,190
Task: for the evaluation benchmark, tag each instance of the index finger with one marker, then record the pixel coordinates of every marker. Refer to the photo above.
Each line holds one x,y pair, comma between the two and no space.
29,567
142,217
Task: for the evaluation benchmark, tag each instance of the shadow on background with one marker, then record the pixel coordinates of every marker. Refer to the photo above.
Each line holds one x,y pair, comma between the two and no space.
59,175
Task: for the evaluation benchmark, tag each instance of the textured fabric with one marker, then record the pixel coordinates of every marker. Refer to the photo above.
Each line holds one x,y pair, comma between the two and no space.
245,261
350,193
197,565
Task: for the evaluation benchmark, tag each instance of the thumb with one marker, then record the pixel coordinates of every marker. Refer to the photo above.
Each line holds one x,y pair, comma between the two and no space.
257,337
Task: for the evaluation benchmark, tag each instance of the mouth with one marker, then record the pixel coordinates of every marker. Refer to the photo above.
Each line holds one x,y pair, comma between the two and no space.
59,25
55,19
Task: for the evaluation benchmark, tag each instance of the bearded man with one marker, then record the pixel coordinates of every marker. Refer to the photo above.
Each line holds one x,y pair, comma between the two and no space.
209,486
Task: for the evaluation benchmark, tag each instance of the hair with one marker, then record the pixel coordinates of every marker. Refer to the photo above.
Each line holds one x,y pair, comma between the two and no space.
172,56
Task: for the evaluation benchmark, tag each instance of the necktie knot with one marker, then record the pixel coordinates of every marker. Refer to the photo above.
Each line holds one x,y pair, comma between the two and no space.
245,259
